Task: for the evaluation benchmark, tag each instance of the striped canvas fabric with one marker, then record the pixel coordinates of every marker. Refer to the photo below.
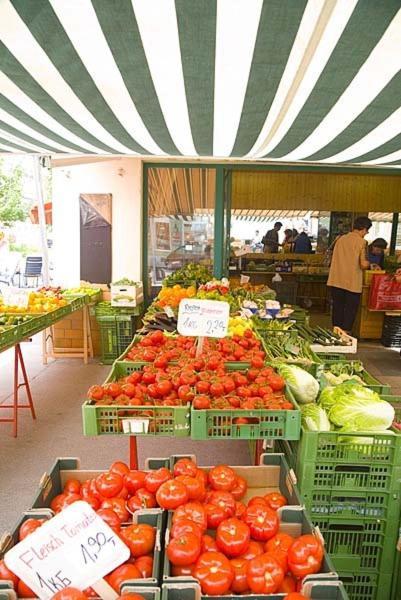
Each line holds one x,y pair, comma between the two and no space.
285,80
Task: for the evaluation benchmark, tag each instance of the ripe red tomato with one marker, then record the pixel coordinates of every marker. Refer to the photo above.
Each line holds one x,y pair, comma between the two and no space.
276,382
134,480
23,591
202,387
109,484
240,583
216,389
184,526
295,596
185,393
262,521
305,556
6,574
195,488
222,478
72,486
171,494
288,585
187,571
257,500
121,574
144,564
28,527
257,362
95,392
70,499
57,503
154,479
240,508
281,541
194,511
185,466
233,537
164,387
140,538
275,500
130,596
110,517
142,499
112,389
220,506
201,402
184,550
128,389
118,505
254,549
239,490
214,572
119,467
208,544
69,593
264,574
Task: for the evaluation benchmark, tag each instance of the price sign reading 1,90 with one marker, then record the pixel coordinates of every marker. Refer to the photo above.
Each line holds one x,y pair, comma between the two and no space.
203,318
75,548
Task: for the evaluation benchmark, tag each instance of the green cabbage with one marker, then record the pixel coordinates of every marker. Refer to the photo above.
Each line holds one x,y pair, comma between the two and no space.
327,398
314,418
357,408
301,383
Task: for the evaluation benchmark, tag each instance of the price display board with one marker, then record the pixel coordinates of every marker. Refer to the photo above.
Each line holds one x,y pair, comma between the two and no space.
76,548
203,318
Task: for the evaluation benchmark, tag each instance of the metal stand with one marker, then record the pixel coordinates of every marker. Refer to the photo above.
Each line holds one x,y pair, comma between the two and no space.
133,453
19,362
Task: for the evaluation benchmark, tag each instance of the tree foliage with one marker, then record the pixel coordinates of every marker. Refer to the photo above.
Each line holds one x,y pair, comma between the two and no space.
13,206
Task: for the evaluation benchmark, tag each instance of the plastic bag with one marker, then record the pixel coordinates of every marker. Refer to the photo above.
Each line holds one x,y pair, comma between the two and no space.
385,293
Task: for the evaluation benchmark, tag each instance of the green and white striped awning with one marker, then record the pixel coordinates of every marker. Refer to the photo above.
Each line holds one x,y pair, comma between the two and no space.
285,80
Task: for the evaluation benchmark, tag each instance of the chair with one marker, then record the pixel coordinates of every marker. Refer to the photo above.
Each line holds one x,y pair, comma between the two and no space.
33,269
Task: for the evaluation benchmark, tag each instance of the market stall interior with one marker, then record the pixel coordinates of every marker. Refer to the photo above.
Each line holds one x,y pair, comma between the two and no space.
197,426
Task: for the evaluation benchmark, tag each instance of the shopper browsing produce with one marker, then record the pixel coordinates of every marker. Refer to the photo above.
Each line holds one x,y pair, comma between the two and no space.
345,276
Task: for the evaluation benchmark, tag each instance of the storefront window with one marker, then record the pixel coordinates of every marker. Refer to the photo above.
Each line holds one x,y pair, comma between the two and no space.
180,225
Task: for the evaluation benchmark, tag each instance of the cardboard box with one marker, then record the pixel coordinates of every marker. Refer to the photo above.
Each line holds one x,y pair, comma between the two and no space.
128,296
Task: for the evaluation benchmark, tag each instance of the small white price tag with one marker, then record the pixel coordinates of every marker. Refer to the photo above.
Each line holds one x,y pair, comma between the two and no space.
135,425
76,548
203,318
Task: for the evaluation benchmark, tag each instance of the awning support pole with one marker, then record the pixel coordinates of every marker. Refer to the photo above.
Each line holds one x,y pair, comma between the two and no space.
37,170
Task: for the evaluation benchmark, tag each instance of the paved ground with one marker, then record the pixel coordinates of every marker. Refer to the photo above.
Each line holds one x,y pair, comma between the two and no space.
59,390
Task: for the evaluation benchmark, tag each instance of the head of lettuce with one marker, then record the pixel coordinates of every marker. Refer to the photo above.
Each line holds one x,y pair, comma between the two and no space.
353,407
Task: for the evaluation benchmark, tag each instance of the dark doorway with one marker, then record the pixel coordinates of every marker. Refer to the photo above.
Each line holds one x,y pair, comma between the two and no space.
95,228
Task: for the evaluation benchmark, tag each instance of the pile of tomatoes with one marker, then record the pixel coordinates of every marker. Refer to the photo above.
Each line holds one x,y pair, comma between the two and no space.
192,381
159,348
230,546
224,543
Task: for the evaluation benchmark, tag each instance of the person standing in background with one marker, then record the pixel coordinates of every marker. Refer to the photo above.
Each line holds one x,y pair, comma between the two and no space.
270,239
303,244
376,253
345,277
287,242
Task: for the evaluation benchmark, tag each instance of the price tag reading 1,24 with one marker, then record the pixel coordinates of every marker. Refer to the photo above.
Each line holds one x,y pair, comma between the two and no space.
75,548
203,318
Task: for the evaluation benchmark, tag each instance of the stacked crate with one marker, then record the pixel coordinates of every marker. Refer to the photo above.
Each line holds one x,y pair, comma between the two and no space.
350,484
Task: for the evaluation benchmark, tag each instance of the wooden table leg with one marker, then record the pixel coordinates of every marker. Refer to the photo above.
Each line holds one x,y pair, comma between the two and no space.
258,451
18,361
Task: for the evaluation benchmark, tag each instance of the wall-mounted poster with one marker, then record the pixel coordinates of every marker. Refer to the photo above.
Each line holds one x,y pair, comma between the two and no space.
163,236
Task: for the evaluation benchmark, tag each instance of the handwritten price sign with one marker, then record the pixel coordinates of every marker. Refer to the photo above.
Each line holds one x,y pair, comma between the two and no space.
203,318
76,548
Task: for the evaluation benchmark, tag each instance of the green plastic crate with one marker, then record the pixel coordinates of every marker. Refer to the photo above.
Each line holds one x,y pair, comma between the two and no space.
315,590
366,586
365,545
357,505
134,420
294,520
116,333
265,424
371,381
